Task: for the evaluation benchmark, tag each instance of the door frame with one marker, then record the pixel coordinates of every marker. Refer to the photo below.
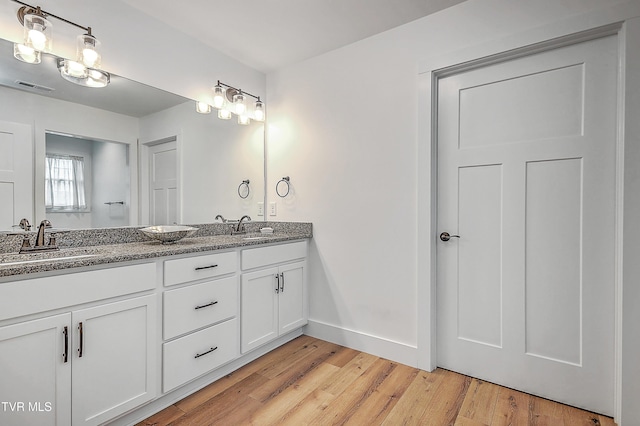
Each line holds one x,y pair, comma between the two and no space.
608,21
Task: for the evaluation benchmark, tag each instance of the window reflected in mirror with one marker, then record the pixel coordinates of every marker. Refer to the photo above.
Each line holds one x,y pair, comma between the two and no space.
86,182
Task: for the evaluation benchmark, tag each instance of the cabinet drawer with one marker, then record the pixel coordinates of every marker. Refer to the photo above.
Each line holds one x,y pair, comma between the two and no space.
36,295
196,306
191,356
194,268
263,256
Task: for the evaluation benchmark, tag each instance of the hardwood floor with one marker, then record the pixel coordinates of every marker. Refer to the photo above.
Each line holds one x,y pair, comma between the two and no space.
313,382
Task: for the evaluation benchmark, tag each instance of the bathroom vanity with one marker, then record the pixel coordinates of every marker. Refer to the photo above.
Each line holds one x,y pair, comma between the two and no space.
113,333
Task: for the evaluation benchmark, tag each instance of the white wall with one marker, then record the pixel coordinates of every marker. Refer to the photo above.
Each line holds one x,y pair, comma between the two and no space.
344,127
111,183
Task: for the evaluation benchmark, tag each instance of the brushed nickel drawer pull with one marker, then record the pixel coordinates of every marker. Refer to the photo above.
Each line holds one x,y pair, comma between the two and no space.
208,304
277,283
200,268
65,355
282,282
207,352
81,346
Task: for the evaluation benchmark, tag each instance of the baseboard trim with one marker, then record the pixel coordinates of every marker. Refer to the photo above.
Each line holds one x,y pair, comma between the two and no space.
378,346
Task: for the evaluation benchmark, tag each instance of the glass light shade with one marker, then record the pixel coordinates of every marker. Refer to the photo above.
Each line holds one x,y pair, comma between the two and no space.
87,51
224,114
37,32
218,97
26,54
239,106
97,78
258,112
244,120
203,107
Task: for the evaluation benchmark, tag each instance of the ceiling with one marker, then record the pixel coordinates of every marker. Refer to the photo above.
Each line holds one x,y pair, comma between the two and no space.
270,34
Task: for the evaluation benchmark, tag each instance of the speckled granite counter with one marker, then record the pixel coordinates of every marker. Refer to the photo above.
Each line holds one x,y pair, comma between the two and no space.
97,247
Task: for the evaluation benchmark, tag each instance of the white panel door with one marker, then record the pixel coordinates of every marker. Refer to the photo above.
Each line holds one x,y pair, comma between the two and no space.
526,178
163,184
16,174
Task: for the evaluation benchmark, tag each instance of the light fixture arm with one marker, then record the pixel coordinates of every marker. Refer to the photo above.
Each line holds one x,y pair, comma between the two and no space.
27,9
237,91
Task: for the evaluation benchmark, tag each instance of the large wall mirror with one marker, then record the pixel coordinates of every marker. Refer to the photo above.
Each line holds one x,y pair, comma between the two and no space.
126,154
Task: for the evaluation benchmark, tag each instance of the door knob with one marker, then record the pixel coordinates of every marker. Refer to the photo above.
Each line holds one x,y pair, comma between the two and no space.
445,236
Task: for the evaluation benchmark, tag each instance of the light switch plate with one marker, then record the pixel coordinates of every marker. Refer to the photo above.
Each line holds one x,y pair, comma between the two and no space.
260,208
273,210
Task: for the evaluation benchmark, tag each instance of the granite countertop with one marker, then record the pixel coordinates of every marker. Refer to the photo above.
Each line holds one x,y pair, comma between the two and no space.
12,264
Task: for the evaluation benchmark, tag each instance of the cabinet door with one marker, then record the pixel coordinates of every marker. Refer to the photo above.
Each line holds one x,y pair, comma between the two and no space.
259,307
35,384
114,365
292,306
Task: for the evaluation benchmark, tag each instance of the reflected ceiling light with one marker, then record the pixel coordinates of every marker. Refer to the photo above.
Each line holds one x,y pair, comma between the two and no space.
26,54
224,114
243,119
229,100
203,107
85,70
77,73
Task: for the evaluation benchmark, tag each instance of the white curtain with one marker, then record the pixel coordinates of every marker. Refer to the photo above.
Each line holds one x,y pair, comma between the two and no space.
64,183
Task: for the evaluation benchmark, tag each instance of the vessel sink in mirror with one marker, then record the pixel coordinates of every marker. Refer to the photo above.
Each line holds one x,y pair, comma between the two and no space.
149,157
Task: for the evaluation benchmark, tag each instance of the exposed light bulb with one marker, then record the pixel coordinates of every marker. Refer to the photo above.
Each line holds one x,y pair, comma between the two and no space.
203,107
218,97
38,39
89,57
75,69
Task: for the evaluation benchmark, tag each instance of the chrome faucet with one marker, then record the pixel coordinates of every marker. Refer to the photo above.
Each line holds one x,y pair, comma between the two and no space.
239,228
40,240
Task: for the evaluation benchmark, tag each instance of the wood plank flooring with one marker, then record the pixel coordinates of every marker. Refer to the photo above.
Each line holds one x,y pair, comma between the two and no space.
313,382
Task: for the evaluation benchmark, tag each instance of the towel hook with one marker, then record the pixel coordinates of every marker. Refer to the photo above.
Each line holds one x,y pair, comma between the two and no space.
243,189
286,180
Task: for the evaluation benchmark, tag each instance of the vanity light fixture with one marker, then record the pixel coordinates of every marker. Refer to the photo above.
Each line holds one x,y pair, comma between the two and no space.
37,38
229,100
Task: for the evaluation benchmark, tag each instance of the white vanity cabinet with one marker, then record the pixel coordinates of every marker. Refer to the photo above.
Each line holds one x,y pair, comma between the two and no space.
274,293
202,315
84,366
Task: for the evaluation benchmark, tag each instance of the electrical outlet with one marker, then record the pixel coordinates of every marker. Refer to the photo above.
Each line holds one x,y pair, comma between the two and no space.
260,208
273,210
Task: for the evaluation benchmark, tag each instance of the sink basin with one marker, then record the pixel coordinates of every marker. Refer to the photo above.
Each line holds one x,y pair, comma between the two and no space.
168,234
50,259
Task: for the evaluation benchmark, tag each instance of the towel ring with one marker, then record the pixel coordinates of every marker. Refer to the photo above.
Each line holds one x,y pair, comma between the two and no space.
243,188
286,181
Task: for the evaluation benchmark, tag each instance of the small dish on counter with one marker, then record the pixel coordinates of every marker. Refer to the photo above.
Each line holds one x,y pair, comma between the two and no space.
168,234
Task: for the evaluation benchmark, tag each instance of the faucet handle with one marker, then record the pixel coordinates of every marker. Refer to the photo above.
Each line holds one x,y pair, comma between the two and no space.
26,243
